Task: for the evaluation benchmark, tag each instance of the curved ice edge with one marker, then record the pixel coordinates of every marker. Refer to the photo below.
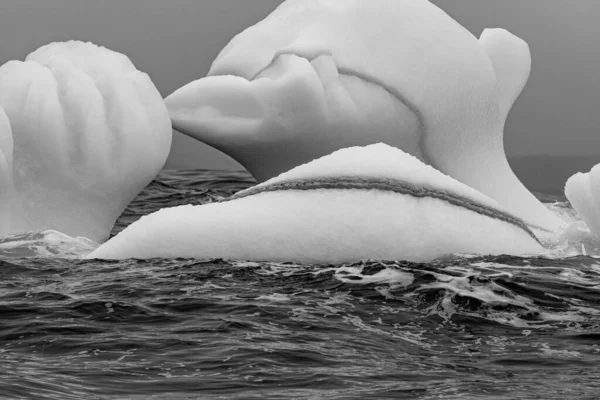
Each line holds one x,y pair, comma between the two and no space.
384,184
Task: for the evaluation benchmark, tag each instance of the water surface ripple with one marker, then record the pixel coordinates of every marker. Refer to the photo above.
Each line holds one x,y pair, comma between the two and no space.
460,327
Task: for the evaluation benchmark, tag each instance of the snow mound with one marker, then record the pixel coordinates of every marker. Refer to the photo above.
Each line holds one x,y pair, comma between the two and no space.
343,207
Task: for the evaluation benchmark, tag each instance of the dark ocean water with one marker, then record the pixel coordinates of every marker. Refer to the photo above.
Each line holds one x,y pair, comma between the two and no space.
457,328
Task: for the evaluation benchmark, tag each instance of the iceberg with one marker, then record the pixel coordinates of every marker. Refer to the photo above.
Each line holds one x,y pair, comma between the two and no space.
82,132
316,76
357,203
583,192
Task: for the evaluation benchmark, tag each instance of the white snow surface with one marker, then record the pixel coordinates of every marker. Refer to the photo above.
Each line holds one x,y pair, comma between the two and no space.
583,192
89,132
319,75
328,225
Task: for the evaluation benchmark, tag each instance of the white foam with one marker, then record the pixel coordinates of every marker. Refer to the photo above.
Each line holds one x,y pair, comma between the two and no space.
48,244
324,225
90,131
393,277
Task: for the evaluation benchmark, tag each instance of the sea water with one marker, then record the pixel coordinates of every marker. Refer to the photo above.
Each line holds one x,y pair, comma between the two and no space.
469,327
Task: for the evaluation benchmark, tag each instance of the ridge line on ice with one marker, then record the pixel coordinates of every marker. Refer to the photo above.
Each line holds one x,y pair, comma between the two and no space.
383,184
364,77
398,95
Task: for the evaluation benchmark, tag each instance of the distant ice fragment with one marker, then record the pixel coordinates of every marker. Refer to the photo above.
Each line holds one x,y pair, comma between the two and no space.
319,75
89,131
583,192
357,203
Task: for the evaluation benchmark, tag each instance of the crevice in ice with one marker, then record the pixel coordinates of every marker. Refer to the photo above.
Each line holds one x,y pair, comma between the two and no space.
310,59
384,184
398,95
345,71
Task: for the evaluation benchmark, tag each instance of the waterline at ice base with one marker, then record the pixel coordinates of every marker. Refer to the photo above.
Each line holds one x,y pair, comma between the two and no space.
316,76
82,132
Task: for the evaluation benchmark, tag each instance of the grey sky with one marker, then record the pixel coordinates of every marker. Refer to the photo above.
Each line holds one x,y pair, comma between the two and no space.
175,42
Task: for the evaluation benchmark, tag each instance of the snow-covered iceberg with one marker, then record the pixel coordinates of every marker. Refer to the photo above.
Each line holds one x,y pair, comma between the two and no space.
357,203
82,133
583,192
319,75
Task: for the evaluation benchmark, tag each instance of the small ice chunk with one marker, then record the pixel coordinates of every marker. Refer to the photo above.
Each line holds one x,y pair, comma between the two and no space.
583,192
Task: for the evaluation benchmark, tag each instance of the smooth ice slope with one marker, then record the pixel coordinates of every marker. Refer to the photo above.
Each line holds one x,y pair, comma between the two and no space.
90,131
357,203
8,204
583,192
319,75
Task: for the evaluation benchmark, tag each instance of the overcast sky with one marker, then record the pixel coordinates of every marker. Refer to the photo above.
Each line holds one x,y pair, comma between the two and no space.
175,42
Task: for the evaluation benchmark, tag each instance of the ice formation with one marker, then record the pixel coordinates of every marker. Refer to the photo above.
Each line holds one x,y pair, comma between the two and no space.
583,192
357,203
89,132
319,75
